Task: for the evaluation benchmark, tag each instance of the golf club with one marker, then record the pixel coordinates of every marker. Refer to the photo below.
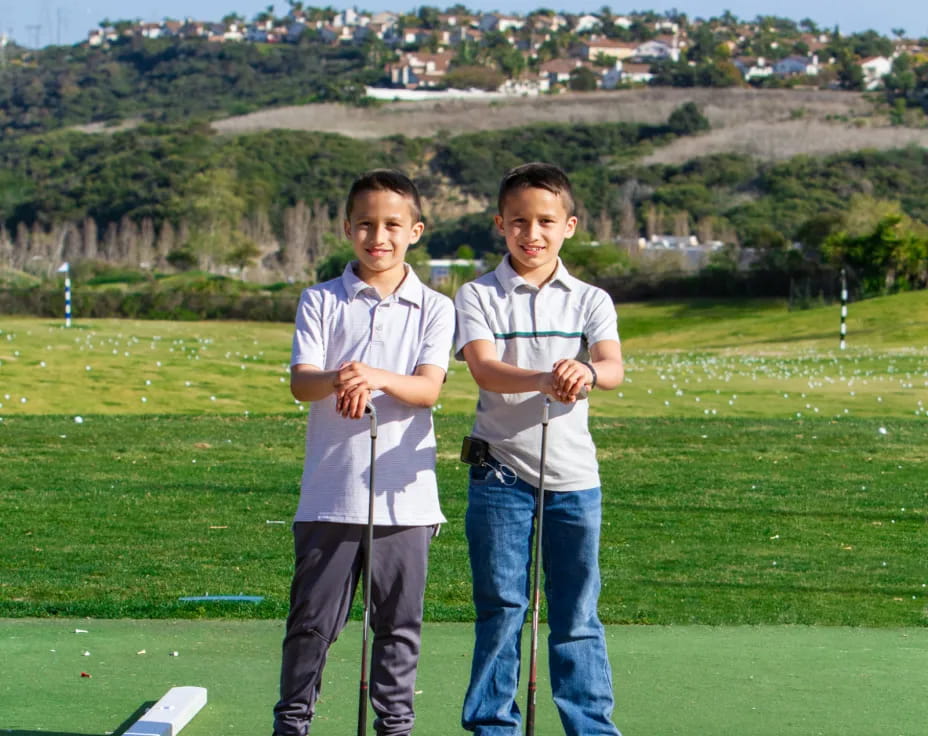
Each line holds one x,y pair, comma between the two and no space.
536,582
368,554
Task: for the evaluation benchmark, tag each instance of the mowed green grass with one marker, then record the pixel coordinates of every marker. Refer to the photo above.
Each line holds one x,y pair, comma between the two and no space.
671,681
715,521
683,360
753,473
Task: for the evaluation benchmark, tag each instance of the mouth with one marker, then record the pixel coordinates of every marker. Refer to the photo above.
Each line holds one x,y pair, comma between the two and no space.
532,250
379,252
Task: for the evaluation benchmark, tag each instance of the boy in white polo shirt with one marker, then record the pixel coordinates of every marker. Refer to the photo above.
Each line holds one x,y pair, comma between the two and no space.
375,333
529,329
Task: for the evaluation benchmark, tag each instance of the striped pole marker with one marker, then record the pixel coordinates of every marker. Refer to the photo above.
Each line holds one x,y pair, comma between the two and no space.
843,335
66,269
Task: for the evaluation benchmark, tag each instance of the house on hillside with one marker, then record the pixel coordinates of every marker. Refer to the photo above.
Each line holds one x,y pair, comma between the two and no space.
587,23
793,66
528,84
149,30
752,68
592,49
874,69
501,23
461,34
385,18
350,17
558,70
658,49
544,23
408,36
636,73
611,77
415,69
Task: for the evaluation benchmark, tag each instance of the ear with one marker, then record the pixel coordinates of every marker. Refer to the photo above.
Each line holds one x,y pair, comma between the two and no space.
416,232
347,226
571,227
498,219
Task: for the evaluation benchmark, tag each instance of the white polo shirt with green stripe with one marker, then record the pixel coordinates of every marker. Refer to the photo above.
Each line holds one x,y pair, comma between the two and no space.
533,328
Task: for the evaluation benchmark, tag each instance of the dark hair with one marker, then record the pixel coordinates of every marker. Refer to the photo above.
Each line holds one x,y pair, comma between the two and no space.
383,180
540,176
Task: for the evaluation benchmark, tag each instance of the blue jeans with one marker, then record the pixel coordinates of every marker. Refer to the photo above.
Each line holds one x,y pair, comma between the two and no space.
500,529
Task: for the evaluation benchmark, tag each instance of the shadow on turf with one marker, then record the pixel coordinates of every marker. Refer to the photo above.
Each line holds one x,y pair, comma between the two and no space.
121,729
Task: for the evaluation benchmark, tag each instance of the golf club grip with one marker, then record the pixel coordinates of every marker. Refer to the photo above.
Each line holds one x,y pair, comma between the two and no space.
362,709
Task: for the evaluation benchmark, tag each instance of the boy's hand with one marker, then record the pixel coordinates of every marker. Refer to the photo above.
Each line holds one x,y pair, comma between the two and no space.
351,404
570,379
548,386
353,385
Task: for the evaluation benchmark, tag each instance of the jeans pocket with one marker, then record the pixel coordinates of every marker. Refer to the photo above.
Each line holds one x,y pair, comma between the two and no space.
481,474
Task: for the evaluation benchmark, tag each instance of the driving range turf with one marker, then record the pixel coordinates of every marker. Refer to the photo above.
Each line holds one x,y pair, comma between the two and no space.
764,511
728,681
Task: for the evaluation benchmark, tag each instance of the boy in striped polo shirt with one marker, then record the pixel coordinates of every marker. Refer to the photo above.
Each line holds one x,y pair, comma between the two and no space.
529,330
375,333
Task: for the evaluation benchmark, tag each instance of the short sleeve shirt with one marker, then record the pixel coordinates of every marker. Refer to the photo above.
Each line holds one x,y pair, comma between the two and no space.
345,319
533,328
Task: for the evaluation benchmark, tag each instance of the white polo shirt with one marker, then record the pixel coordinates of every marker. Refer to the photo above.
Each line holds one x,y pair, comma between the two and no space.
533,328
345,319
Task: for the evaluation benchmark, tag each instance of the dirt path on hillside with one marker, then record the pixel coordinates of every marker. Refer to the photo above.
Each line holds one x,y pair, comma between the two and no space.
725,108
775,141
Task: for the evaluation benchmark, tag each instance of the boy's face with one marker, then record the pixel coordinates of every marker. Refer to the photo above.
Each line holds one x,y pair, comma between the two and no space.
535,225
381,228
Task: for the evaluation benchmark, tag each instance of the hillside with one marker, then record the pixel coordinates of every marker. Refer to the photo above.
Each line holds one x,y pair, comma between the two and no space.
767,124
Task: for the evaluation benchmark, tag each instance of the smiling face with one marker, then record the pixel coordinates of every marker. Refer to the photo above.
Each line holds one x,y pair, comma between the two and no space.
535,224
381,228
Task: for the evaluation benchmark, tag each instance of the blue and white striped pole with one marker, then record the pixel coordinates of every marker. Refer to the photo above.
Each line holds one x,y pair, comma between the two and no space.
843,336
66,269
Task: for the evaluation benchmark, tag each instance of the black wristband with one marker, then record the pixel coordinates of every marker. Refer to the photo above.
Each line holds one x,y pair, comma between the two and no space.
592,372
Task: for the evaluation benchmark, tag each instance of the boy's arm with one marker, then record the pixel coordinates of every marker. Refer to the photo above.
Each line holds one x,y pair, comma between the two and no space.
606,357
492,374
311,383
421,389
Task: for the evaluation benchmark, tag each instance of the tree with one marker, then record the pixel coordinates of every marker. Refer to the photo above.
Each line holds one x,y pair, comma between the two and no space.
902,81
428,17
885,248
809,26
474,77
850,75
583,79
687,119
215,210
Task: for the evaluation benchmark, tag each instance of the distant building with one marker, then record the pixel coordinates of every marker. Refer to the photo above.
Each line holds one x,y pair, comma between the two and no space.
441,270
416,69
592,49
874,69
793,66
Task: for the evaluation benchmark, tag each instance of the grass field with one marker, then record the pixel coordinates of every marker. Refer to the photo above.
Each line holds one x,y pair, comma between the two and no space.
669,681
754,476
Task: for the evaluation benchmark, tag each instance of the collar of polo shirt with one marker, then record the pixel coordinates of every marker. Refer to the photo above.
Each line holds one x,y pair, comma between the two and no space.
410,290
510,280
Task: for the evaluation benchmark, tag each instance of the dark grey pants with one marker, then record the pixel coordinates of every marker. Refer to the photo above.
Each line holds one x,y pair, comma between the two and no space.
329,564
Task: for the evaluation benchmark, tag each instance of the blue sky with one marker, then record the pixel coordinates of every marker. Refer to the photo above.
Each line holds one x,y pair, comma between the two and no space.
67,21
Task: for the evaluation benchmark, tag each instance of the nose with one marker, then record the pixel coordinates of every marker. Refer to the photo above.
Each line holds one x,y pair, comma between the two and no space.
380,234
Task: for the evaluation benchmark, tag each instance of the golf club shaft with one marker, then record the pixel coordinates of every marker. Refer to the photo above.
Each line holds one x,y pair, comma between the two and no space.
536,582
368,555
